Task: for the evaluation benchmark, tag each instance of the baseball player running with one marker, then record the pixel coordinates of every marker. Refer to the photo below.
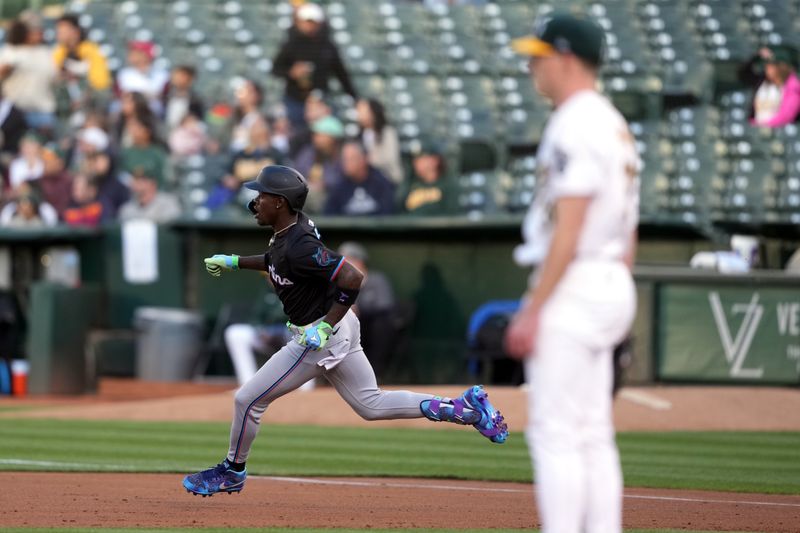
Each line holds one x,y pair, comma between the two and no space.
317,287
580,234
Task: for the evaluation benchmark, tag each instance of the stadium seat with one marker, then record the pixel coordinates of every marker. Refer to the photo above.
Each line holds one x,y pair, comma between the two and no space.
772,22
477,194
520,190
448,73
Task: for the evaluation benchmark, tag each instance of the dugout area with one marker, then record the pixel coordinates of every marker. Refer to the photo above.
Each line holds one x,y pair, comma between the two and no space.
443,270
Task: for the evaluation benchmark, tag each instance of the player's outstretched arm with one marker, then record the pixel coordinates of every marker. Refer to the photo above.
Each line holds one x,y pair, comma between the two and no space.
219,262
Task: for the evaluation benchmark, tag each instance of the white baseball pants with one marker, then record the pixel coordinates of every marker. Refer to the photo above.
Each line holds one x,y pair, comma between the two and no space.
570,430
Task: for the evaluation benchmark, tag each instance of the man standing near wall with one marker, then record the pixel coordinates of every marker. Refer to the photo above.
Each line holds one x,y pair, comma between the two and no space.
580,234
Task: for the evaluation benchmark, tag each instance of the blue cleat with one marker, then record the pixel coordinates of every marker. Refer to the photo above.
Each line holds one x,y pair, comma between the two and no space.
491,425
217,479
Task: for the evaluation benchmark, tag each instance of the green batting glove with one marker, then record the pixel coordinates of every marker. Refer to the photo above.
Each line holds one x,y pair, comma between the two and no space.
217,263
316,337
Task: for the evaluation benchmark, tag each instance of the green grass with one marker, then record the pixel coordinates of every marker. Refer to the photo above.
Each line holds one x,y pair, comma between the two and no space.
727,461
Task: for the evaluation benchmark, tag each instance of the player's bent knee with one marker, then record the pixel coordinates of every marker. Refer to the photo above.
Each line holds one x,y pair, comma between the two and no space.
367,414
243,398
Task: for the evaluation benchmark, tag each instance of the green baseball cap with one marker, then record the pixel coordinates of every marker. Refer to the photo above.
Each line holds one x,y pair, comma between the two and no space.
329,126
564,33
781,54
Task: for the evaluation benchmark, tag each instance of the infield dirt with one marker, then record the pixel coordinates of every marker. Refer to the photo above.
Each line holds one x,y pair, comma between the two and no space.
158,500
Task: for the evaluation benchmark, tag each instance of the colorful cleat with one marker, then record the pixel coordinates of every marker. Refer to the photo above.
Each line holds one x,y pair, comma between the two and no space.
217,479
491,425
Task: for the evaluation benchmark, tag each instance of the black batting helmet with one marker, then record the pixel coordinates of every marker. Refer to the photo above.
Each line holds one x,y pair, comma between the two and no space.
282,181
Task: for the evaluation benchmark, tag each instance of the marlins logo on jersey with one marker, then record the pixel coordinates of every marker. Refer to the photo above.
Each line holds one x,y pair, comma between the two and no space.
323,257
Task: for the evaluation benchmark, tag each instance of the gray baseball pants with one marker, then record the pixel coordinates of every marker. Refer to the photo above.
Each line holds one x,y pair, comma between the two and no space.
344,365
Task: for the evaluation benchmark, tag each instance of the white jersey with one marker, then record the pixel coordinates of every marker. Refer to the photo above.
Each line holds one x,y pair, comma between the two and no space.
586,150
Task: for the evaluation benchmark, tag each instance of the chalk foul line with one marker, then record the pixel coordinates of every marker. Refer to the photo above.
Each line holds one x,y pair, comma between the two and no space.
388,484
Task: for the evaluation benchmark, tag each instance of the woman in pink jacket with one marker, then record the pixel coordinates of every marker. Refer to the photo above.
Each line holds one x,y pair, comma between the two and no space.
777,98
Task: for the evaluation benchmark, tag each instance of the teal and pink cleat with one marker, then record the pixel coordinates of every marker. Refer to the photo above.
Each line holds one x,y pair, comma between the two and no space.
491,425
217,479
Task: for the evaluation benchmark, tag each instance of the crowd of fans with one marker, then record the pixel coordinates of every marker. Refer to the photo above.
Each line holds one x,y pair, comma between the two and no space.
83,146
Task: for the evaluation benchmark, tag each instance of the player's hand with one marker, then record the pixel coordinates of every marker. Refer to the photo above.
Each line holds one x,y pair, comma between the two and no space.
301,69
316,337
217,263
521,334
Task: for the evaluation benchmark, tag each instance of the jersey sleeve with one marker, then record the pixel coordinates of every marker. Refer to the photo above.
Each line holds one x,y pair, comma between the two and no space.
577,165
309,258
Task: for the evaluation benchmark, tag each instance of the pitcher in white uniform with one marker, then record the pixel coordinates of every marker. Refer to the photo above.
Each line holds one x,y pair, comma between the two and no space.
580,236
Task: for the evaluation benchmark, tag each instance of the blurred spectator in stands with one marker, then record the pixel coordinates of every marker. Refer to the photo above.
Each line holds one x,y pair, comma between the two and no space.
79,58
88,141
245,165
427,195
249,97
380,139
82,66
35,23
112,193
95,118
55,185
307,59
316,108
132,106
376,309
258,154
281,129
224,193
319,161
771,73
29,165
86,208
180,98
12,128
145,152
148,202
28,76
362,189
142,76
189,137
27,211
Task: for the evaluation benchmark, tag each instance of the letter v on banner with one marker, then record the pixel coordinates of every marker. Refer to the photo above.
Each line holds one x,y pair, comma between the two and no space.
736,350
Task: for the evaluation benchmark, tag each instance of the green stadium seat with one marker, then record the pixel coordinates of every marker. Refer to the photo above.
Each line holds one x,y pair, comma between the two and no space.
522,172
478,155
772,22
723,29
476,194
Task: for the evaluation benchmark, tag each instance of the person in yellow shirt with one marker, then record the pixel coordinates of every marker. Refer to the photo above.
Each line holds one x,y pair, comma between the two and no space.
77,58
428,192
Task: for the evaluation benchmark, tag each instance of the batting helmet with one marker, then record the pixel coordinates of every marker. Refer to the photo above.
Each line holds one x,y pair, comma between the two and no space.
281,181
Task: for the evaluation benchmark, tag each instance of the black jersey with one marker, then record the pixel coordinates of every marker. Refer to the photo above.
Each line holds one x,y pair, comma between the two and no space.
303,272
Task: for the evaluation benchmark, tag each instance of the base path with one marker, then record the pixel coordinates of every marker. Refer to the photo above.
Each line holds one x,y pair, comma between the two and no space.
158,500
